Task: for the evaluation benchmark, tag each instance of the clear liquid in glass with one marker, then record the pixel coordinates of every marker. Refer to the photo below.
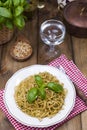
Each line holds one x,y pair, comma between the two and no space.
52,34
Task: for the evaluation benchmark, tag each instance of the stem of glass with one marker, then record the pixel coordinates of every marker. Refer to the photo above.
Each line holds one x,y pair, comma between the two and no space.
52,48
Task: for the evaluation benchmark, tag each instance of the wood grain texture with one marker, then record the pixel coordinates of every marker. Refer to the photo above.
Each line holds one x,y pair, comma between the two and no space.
84,120
80,57
80,53
74,48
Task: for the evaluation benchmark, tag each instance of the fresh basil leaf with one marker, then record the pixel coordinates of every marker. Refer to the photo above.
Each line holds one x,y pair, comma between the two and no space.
32,95
0,27
2,19
38,80
3,1
42,93
5,12
6,3
9,24
16,2
10,3
22,2
55,87
27,6
18,10
25,18
19,22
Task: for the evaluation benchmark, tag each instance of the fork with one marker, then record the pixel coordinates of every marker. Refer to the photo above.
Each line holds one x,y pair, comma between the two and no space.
79,92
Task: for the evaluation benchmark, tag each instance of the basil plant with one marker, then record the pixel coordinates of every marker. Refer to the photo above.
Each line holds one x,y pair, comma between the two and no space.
12,13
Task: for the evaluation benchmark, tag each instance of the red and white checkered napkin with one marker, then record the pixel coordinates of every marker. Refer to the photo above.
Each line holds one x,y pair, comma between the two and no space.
75,75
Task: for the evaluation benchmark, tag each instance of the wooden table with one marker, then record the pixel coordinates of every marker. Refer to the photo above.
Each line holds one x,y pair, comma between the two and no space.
74,48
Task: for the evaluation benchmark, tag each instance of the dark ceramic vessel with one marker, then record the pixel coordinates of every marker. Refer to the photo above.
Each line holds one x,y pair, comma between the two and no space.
75,18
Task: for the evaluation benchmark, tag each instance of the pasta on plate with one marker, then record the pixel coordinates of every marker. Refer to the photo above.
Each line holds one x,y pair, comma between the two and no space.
40,109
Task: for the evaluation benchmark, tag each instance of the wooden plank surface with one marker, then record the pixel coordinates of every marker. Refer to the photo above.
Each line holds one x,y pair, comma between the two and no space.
80,58
74,48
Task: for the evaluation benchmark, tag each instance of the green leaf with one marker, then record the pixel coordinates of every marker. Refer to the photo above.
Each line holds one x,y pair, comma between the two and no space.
9,24
0,27
10,3
19,22
26,7
38,80
55,87
6,3
18,10
42,93
2,19
1,3
25,18
22,2
32,95
16,2
5,12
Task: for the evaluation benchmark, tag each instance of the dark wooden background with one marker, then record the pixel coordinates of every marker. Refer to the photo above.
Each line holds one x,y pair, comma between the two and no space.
74,48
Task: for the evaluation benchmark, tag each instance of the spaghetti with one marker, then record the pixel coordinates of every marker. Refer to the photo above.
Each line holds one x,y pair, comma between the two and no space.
39,108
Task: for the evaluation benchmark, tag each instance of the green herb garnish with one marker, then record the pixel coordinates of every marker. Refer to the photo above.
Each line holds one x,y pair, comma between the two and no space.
12,13
34,92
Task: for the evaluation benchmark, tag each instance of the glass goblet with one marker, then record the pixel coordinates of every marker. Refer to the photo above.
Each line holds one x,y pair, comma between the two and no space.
52,33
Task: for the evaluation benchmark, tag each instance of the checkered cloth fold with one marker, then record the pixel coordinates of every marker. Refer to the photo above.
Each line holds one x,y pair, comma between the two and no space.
75,75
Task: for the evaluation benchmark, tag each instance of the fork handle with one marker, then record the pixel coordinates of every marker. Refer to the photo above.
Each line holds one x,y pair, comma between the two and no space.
81,94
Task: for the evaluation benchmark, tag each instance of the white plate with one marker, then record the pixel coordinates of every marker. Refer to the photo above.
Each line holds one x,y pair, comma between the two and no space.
28,120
